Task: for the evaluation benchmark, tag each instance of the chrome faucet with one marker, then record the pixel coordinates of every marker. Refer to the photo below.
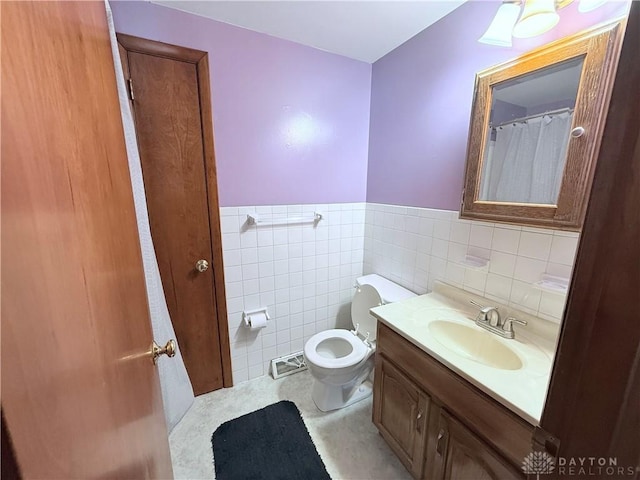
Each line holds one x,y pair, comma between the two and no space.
488,315
489,319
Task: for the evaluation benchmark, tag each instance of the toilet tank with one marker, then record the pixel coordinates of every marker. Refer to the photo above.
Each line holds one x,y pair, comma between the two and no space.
389,292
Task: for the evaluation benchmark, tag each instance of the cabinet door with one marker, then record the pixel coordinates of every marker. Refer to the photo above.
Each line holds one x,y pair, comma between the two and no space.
460,455
400,412
490,192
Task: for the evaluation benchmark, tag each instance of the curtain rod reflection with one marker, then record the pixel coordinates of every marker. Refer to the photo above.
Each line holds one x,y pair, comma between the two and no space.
529,117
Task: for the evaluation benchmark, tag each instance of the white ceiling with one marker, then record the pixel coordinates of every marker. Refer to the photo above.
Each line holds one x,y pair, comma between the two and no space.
360,29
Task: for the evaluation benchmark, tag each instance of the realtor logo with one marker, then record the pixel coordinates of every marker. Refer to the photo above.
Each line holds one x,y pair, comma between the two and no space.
538,463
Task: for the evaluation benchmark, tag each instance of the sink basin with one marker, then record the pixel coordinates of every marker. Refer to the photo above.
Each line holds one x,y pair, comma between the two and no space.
474,344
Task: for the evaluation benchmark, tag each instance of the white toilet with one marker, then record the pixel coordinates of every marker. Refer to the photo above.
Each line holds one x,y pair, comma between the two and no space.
341,361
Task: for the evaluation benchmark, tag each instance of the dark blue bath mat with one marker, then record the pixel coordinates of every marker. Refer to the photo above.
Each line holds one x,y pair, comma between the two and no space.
270,444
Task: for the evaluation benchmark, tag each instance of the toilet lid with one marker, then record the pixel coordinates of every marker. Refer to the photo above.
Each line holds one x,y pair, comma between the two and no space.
366,297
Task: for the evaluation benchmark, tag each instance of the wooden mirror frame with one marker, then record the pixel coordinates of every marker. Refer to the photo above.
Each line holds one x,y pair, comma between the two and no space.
600,48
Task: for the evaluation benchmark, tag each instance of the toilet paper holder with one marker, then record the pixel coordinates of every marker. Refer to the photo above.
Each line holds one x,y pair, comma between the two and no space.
246,315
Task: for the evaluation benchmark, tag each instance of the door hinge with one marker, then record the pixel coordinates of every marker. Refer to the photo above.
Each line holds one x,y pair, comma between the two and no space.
462,200
130,83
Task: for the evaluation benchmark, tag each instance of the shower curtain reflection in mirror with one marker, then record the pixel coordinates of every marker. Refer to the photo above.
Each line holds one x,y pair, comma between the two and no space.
524,160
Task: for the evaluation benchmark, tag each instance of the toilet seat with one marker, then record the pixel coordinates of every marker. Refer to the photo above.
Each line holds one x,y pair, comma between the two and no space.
366,297
358,352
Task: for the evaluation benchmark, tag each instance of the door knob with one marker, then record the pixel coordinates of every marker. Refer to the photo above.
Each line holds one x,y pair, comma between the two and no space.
156,350
202,266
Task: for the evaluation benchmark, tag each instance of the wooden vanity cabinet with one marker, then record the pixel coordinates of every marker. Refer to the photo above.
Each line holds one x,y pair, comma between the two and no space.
440,426
401,415
462,455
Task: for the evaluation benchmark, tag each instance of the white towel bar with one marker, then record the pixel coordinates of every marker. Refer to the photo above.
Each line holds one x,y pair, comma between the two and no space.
257,220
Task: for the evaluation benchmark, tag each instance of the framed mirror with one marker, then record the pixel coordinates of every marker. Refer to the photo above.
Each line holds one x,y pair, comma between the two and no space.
536,125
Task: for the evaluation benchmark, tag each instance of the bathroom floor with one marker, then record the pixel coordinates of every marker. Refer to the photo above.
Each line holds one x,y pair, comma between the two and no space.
346,439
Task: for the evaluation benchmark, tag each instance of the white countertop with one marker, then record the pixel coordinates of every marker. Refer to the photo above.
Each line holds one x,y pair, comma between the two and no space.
523,391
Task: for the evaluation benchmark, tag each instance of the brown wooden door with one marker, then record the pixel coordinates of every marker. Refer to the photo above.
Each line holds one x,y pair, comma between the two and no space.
460,455
80,396
171,138
400,412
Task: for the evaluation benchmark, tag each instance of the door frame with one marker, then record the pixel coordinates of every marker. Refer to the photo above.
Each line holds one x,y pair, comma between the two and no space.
200,60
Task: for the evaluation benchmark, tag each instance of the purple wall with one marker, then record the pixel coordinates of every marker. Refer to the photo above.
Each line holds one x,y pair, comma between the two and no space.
291,123
421,99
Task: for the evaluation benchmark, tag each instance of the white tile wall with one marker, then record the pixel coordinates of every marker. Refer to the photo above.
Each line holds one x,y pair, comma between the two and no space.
303,274
416,246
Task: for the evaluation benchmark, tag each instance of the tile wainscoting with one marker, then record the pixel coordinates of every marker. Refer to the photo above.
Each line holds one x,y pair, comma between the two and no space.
416,246
304,274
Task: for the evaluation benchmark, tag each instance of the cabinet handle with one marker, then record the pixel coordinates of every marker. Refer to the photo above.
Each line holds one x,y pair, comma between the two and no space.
418,423
439,442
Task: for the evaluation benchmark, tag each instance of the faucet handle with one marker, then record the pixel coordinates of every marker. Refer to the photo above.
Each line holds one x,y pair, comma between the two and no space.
507,326
482,308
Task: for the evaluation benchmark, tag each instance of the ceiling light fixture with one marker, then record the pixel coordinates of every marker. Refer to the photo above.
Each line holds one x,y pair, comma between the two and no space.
588,5
538,16
535,18
499,32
